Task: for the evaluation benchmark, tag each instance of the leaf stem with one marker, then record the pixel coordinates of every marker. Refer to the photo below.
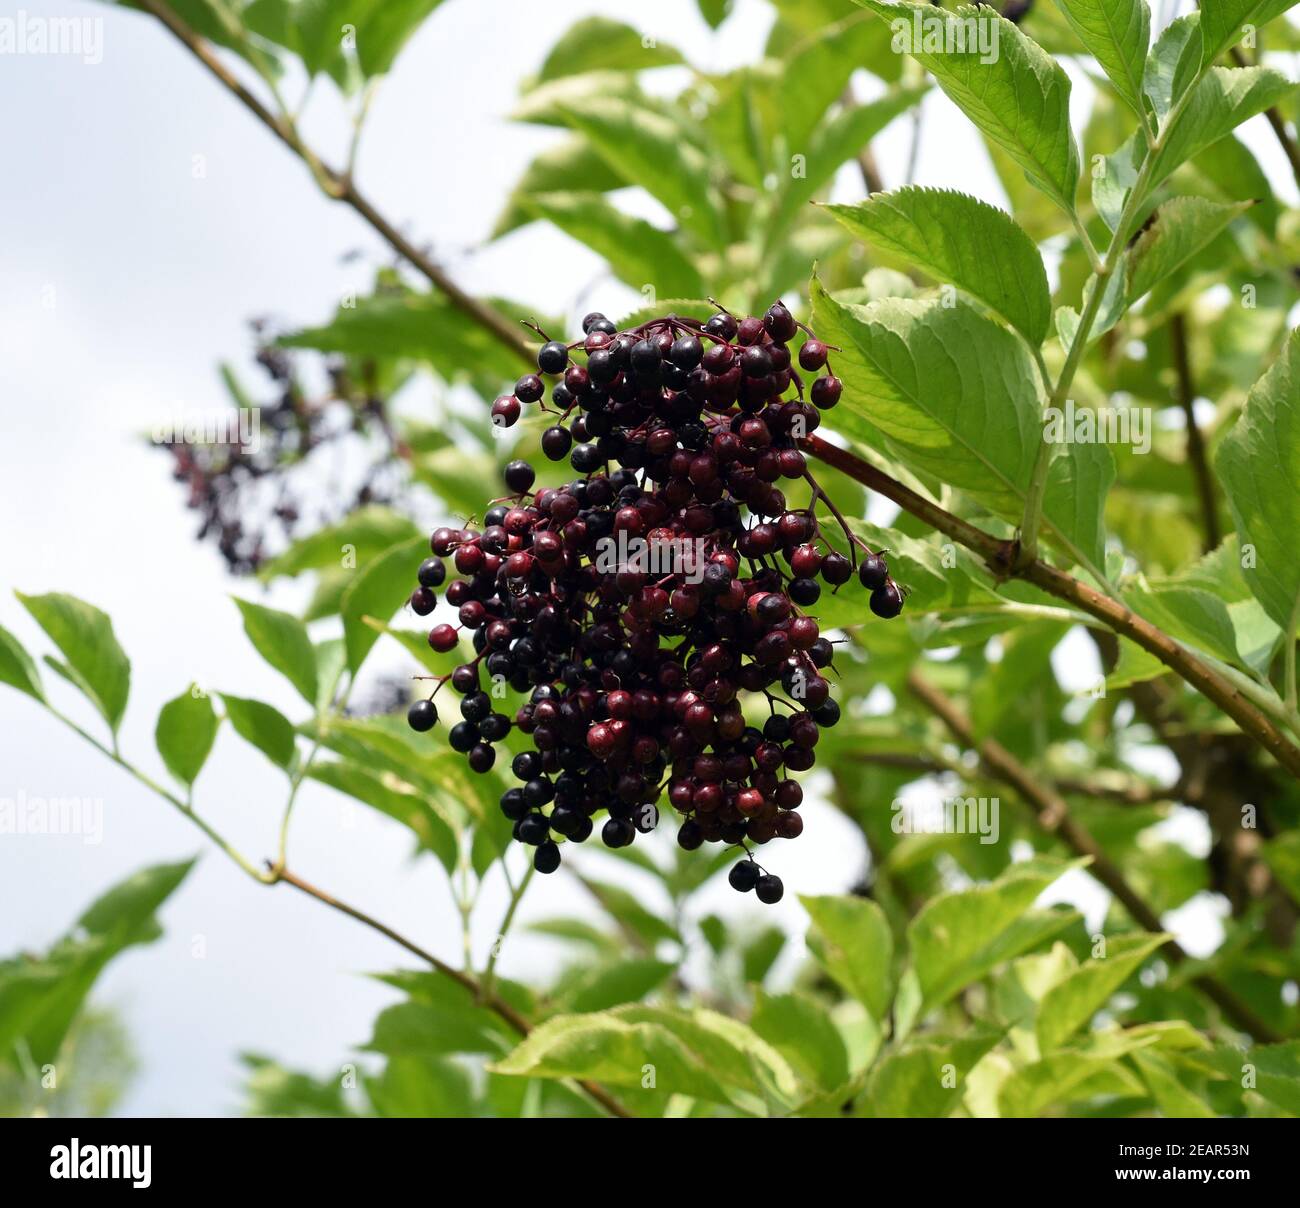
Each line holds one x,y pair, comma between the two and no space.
489,974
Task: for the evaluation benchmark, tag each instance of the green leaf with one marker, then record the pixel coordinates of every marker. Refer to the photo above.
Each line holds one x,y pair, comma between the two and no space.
378,591
802,1030
640,254
1117,33
1254,460
599,44
386,792
926,1079
431,1028
1171,1096
1020,97
615,983
422,1088
1068,1075
1223,99
1073,1001
85,636
401,324
350,543
610,1049
833,142
962,241
262,725
649,149
851,940
1175,233
1223,22
41,995
960,936
554,171
1173,63
186,730
956,397
17,668
281,639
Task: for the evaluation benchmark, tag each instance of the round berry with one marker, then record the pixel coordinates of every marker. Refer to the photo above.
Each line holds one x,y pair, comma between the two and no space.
744,875
556,442
826,392
422,715
529,388
553,357
812,356
872,571
519,476
769,889
546,859
887,600
432,572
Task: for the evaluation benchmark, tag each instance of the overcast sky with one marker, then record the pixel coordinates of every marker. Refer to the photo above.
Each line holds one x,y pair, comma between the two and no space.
125,280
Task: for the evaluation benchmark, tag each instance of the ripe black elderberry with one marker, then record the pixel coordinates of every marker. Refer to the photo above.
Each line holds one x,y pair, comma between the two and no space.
633,676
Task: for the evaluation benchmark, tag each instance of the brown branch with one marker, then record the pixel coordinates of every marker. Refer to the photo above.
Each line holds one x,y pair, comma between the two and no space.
1053,814
340,187
1000,556
493,1002
1197,458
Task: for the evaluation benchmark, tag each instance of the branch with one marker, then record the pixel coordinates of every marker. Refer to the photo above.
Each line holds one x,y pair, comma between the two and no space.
492,1001
1054,815
1196,455
340,187
1000,556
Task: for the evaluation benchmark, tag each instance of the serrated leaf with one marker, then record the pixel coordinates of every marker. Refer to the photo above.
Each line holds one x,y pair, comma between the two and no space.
850,938
963,242
17,668
1118,33
1009,87
955,395
960,936
638,253
1257,457
1175,233
281,639
378,591
1072,1002
262,725
185,732
85,636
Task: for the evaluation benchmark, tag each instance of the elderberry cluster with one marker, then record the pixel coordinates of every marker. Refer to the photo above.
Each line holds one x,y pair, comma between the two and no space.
635,668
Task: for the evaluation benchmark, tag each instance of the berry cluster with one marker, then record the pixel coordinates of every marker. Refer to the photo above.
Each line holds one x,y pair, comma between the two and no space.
639,604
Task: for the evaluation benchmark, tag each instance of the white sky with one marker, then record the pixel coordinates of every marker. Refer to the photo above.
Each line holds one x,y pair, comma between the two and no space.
152,274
